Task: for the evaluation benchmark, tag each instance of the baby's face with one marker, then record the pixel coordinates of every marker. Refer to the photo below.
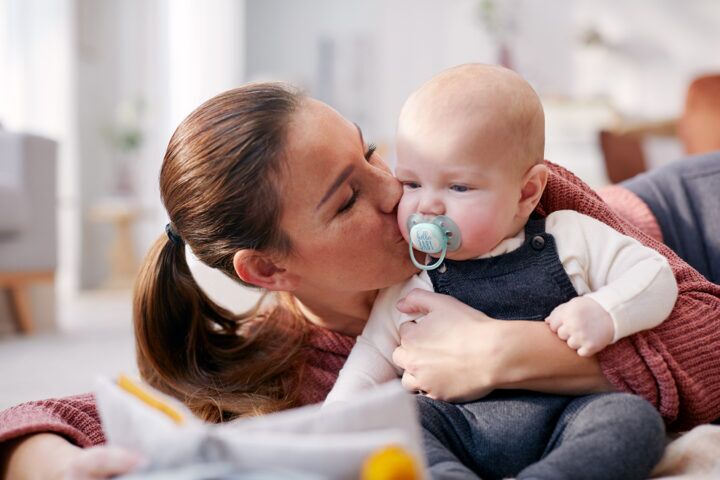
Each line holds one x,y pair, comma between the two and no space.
466,181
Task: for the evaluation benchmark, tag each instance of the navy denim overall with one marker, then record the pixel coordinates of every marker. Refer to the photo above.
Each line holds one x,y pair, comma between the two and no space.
523,434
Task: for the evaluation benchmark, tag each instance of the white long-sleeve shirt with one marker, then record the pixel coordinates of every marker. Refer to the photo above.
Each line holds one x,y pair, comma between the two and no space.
633,283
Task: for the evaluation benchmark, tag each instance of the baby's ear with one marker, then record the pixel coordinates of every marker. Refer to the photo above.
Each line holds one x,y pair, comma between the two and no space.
533,185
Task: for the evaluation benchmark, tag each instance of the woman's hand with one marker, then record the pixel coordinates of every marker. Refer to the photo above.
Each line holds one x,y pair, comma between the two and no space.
450,353
456,353
49,456
101,462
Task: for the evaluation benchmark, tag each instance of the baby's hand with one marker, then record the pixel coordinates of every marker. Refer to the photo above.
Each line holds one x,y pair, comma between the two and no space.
583,324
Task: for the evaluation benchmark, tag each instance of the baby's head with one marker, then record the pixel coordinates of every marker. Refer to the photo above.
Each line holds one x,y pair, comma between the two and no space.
470,145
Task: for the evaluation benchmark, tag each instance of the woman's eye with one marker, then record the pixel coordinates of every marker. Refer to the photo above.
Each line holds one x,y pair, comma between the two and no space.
369,153
349,204
459,188
411,185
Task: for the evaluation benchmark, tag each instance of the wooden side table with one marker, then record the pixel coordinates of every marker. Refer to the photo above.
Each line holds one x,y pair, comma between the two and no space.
122,214
16,284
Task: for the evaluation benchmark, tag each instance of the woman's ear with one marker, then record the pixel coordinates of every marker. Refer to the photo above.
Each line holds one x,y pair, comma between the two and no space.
260,269
533,185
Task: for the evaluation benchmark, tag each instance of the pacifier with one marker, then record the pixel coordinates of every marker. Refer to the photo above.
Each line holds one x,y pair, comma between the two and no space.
432,235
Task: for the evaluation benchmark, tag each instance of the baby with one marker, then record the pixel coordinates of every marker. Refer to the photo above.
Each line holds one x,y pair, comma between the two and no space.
470,147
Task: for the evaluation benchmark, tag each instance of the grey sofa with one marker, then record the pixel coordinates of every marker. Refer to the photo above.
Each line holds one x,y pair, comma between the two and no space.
28,233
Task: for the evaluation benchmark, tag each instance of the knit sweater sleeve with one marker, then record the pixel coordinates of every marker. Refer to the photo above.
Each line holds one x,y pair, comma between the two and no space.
675,366
75,418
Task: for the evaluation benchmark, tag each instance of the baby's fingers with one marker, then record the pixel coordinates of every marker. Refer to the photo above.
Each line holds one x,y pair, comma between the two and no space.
587,351
563,332
554,322
574,342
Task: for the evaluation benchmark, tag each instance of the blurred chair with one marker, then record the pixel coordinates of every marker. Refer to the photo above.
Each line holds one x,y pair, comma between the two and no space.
28,239
698,129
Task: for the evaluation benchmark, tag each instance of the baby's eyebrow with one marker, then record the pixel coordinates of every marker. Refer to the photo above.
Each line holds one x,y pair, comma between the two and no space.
403,171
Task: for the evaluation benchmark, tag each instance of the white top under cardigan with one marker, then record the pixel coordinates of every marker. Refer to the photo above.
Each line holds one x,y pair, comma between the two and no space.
633,283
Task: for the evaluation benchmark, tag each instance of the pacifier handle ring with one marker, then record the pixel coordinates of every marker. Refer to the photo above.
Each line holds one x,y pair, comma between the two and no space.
428,267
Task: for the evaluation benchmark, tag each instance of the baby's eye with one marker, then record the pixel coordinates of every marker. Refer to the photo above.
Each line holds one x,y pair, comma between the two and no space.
459,188
411,185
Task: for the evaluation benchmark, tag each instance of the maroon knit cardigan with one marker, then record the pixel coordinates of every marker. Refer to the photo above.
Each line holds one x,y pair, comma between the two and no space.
675,366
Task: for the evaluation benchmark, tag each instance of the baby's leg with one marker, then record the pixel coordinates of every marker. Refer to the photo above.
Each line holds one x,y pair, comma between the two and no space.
495,437
442,441
614,435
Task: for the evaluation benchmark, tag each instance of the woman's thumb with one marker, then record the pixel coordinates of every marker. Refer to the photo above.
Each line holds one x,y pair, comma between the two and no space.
417,301
104,462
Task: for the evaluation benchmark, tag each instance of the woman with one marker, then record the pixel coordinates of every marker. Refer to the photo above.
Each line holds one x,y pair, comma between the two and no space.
279,190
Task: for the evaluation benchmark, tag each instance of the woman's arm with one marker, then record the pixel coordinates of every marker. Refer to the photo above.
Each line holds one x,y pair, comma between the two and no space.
535,358
675,365
46,456
42,430
484,354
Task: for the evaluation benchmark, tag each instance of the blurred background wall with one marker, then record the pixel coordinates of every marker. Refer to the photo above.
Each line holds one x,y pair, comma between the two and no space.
100,85
110,79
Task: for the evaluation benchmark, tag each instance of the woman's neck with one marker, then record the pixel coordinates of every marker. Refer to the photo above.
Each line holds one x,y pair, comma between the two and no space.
346,314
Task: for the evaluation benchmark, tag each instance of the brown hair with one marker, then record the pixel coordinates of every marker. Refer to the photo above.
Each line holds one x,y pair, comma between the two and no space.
218,184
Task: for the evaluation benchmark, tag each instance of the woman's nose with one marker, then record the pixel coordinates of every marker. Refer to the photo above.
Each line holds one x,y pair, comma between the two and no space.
431,204
388,191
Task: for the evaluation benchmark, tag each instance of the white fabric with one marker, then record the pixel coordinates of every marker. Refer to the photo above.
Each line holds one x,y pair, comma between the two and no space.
633,283
324,443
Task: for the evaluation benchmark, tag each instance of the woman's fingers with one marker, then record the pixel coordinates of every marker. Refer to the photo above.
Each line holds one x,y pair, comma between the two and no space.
417,301
423,302
407,331
410,383
102,462
399,357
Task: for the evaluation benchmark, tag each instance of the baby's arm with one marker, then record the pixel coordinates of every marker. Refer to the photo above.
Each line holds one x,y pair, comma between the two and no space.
366,367
370,361
624,286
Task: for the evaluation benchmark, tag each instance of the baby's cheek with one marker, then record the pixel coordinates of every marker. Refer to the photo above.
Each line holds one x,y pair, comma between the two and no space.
405,209
477,233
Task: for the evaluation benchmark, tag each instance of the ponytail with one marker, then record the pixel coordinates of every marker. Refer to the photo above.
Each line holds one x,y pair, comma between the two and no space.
219,364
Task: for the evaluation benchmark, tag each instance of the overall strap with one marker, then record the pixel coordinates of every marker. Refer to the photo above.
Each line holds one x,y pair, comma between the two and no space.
534,226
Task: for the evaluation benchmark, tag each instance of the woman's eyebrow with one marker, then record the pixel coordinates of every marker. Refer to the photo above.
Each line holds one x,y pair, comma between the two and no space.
362,140
347,171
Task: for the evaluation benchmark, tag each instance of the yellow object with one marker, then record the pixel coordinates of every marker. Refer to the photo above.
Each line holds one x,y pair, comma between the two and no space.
390,463
136,390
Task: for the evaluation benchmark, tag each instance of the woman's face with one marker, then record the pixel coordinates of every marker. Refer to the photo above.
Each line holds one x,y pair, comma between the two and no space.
339,207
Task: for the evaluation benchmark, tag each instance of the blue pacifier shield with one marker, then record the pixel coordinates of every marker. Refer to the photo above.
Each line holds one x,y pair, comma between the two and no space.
432,232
